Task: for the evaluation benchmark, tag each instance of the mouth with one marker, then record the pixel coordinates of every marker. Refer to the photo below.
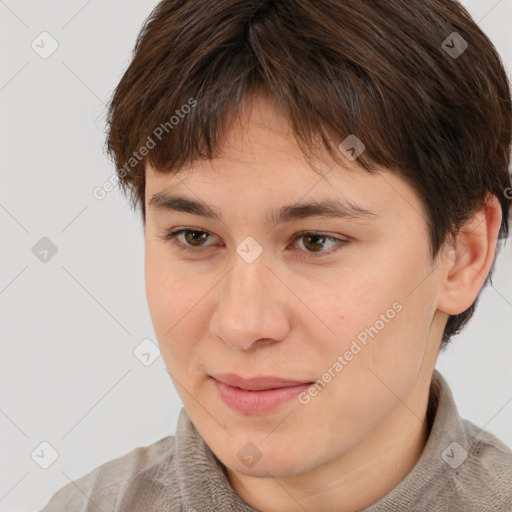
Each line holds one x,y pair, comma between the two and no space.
257,395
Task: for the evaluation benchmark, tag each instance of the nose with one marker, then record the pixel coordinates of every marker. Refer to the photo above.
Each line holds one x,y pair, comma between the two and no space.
252,307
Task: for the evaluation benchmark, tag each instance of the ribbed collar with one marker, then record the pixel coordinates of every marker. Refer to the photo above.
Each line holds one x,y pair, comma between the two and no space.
204,485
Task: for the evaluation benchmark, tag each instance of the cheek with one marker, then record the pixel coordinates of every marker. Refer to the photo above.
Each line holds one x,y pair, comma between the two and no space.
397,329
359,299
373,317
167,286
177,297
168,303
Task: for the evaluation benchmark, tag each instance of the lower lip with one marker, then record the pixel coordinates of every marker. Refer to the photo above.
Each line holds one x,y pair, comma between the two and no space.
257,402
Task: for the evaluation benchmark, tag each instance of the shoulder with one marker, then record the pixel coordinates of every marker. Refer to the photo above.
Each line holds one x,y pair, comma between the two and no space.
105,486
483,482
493,456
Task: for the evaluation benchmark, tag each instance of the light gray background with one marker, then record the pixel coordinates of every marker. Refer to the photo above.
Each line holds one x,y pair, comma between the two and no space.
68,375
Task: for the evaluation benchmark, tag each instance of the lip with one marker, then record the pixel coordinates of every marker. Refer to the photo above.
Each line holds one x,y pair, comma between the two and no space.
257,395
257,383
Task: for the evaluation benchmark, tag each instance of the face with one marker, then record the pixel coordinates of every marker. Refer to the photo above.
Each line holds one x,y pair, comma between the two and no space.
347,302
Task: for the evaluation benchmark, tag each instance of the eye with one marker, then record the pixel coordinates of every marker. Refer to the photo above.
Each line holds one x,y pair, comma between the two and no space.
312,240
190,240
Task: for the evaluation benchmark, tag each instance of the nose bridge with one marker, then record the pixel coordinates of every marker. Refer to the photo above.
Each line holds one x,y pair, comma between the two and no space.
249,273
247,308
249,278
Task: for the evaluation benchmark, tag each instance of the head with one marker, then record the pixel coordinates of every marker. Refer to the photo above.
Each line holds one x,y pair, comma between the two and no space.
254,112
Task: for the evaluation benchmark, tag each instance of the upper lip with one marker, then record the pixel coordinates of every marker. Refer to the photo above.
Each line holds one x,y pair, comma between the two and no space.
257,383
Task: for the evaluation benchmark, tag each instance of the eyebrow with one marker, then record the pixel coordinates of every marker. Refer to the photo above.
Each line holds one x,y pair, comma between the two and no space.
334,208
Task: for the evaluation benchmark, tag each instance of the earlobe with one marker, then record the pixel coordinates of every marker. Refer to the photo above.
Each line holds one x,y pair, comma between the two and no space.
468,259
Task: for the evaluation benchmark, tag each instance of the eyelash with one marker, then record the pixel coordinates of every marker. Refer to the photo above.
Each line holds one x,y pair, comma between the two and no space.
172,238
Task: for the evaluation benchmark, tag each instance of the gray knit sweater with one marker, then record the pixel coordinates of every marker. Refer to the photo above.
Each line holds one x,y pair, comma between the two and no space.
461,469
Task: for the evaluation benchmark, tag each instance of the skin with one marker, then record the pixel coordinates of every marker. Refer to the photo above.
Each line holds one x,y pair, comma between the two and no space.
292,317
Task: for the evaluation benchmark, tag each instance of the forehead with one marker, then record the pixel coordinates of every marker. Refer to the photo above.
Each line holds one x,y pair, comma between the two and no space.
260,162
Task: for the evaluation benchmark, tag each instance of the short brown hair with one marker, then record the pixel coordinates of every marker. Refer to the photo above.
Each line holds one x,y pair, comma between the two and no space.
384,70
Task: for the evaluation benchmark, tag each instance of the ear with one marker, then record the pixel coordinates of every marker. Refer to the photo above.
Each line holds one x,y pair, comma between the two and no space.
468,260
